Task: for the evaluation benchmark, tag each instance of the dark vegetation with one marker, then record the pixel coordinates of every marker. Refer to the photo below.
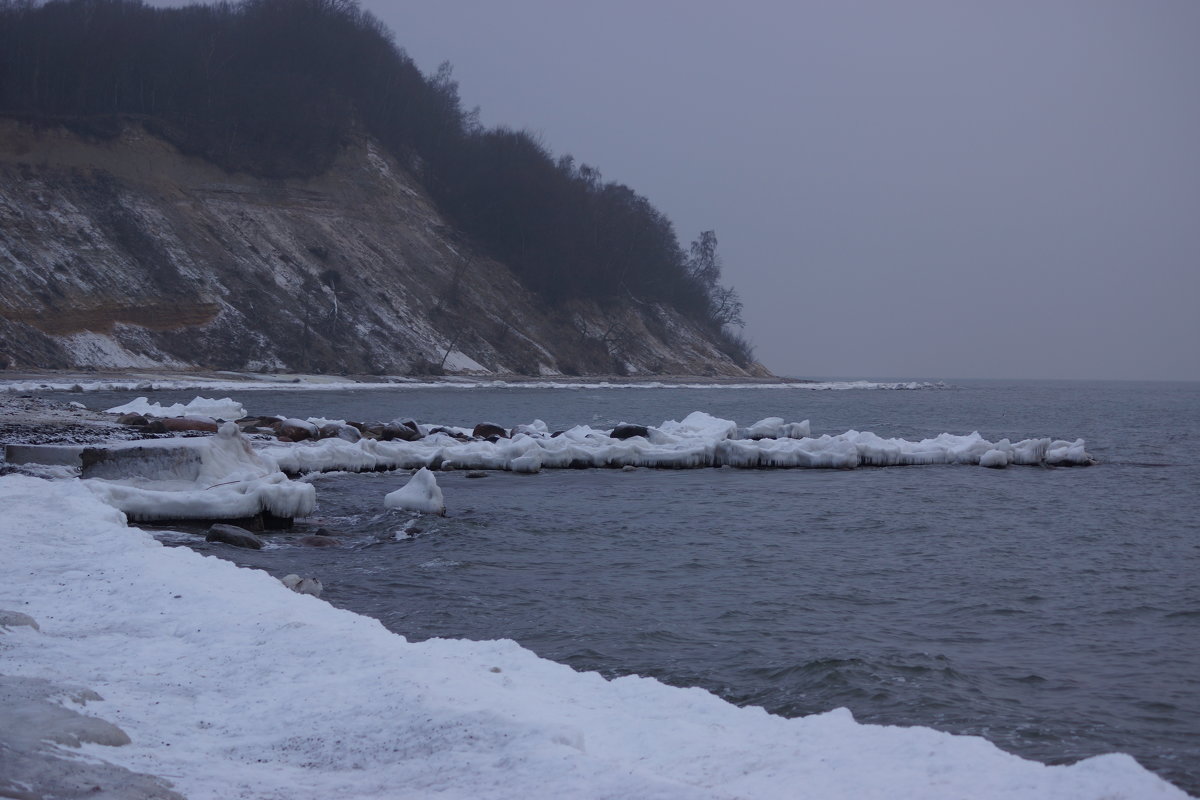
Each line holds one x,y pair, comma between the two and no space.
275,87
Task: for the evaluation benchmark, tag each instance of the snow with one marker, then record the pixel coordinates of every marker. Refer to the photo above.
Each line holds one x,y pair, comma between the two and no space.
421,494
231,685
461,362
89,348
225,408
699,440
228,480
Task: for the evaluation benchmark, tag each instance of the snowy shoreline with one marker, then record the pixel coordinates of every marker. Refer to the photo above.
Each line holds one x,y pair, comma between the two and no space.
230,685
65,381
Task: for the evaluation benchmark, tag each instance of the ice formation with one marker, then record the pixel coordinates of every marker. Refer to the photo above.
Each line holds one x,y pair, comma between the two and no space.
227,481
178,644
421,494
225,408
699,440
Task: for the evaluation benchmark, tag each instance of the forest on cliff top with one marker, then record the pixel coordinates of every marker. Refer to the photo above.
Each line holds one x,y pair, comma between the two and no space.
275,88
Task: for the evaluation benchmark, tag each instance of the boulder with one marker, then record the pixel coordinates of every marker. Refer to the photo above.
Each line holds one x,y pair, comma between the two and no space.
15,619
488,430
302,585
462,437
398,430
178,424
233,535
318,540
627,431
334,430
293,430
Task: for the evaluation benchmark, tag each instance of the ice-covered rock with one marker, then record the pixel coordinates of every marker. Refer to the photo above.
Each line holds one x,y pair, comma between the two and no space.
300,585
228,480
226,408
421,494
699,440
1060,453
995,458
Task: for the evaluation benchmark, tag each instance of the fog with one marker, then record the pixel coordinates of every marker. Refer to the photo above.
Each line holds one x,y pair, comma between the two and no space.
927,189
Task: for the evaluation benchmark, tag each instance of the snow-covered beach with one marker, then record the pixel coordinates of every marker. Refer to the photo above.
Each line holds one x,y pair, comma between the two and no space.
230,685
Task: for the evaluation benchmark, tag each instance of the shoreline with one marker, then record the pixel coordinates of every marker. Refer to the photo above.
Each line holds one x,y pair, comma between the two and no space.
180,647
203,377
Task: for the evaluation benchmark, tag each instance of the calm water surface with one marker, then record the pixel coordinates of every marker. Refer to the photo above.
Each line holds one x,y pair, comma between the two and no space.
1054,611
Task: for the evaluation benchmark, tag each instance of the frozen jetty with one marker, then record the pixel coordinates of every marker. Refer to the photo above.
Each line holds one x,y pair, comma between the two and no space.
699,440
214,478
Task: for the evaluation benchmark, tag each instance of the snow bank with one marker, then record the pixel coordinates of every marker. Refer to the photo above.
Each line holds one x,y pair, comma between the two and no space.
699,440
227,480
225,408
231,685
421,494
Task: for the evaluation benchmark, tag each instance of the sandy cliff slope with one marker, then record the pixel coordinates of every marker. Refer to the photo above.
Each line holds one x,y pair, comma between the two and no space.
123,253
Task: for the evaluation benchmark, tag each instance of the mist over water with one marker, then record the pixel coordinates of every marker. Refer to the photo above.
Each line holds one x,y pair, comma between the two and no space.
1053,611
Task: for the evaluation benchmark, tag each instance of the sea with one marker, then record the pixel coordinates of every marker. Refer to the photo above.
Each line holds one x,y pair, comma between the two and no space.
1052,611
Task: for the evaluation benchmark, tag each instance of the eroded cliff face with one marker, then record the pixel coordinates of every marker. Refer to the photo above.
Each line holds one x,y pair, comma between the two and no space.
124,253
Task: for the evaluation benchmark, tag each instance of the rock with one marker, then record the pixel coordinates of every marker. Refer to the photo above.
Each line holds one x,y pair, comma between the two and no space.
476,473
15,619
293,430
335,430
374,431
178,424
233,535
398,430
627,431
317,540
302,585
487,430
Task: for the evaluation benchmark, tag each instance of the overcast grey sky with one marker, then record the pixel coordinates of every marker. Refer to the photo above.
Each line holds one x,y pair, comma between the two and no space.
918,188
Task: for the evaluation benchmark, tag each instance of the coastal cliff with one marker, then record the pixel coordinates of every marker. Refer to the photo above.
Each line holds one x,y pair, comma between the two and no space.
120,251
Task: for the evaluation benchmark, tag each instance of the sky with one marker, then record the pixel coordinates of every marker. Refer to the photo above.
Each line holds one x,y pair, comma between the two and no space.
929,189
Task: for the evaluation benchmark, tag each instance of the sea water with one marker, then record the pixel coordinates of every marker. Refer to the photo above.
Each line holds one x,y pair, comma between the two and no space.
1055,612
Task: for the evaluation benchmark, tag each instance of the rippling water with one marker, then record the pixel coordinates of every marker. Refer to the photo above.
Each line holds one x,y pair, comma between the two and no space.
1054,611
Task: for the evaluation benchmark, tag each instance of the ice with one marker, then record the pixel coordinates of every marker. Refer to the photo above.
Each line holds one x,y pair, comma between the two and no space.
997,459
225,408
231,685
699,440
698,424
421,494
228,480
1062,453
776,428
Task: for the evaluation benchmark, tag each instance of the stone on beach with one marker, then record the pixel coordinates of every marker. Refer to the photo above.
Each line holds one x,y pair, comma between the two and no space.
233,535
300,585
